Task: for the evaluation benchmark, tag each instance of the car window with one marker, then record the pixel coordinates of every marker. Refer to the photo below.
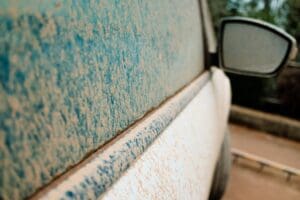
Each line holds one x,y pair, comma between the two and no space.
75,74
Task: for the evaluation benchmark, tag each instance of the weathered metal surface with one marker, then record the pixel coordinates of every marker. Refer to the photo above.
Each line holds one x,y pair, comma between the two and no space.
91,179
181,161
75,73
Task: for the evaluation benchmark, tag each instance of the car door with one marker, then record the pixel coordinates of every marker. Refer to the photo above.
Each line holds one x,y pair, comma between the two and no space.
108,99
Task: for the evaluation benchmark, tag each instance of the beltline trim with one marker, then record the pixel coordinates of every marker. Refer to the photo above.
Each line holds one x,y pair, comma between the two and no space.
92,177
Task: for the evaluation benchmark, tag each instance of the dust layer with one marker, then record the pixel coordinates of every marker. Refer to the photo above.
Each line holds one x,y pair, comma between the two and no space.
74,74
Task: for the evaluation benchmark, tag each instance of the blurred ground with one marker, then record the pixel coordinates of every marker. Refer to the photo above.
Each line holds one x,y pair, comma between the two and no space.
248,182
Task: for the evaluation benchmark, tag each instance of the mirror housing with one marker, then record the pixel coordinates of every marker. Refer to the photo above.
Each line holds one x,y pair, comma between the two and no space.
254,48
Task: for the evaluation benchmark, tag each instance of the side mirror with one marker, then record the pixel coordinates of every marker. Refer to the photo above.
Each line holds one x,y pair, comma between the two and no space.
252,47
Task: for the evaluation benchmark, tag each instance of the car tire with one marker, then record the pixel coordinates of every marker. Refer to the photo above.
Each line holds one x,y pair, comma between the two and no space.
222,170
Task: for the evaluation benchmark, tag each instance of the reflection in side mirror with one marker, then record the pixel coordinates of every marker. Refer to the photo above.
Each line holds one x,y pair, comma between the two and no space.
253,47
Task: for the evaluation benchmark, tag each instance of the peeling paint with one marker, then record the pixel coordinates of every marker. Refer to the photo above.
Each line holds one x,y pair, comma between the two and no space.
74,74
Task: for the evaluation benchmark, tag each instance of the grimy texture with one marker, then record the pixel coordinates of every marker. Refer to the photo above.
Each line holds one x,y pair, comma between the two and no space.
75,74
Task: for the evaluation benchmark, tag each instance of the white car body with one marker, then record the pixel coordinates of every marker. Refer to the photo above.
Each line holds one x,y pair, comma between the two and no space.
180,163
140,116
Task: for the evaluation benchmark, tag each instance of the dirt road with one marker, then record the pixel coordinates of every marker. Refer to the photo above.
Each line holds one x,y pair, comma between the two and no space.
248,182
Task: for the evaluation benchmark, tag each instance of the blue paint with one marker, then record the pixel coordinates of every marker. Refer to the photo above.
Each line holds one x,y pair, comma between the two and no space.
79,73
4,66
20,173
79,40
44,177
70,194
34,23
9,139
20,77
7,23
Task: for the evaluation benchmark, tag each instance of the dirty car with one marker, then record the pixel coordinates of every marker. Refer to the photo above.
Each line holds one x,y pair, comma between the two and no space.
114,100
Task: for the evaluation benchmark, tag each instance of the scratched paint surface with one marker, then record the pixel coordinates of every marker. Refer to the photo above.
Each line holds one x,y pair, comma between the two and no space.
75,74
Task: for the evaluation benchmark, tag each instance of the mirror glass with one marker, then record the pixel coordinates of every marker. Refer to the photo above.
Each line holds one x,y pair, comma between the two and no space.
252,48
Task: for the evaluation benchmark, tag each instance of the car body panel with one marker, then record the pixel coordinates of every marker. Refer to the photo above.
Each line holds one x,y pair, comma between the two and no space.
176,145
90,179
75,74
181,162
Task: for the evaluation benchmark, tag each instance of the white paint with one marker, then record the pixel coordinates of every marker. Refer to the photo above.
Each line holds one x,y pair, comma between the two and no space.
222,90
88,169
180,163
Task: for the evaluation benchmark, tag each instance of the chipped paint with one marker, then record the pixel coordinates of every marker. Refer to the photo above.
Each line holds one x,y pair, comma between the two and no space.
76,73
92,178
